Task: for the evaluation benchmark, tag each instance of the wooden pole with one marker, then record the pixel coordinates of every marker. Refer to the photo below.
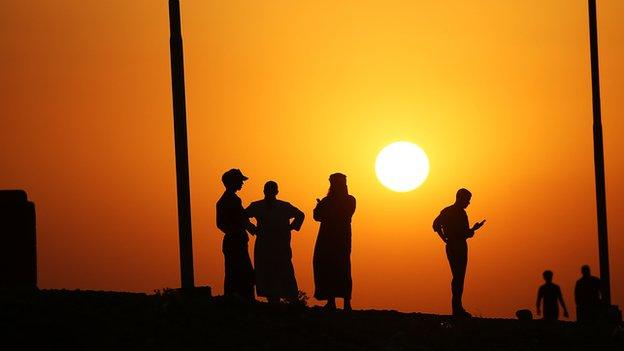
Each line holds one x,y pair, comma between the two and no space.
181,147
601,201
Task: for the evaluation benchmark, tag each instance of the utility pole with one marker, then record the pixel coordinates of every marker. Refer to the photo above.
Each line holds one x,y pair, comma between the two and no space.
181,147
601,201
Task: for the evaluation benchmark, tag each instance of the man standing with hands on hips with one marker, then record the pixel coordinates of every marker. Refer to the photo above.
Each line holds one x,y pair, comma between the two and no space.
454,229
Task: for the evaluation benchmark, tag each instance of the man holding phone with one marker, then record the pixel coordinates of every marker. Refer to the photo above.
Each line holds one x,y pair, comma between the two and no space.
454,229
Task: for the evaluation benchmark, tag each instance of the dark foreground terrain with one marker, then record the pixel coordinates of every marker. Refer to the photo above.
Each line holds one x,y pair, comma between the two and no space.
59,319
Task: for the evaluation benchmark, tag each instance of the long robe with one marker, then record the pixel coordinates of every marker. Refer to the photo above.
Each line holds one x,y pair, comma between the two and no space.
275,275
332,252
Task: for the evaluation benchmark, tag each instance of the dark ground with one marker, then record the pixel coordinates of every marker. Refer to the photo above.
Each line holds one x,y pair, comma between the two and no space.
60,319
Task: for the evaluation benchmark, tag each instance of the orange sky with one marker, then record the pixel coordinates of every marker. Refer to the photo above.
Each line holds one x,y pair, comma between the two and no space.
496,92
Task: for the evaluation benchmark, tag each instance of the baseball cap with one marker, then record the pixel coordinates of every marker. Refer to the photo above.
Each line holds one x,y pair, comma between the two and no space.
232,175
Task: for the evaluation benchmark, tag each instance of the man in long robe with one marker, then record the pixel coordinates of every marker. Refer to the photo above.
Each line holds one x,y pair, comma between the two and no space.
274,272
332,251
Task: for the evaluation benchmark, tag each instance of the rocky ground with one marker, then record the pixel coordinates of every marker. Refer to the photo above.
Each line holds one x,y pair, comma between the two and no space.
60,319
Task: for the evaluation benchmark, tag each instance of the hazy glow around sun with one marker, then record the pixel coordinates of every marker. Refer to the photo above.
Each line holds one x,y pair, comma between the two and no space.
402,166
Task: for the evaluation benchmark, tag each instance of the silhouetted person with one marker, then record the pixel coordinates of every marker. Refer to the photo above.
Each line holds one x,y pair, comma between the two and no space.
232,221
275,275
588,296
453,228
18,252
332,252
550,293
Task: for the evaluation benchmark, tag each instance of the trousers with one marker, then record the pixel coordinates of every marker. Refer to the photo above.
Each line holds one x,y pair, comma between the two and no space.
239,274
457,255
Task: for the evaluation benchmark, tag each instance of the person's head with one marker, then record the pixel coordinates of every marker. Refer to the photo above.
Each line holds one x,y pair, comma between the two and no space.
338,185
462,197
585,271
548,275
233,179
270,190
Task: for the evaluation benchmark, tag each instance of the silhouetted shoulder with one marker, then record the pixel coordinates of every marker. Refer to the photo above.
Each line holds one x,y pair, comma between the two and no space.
252,209
441,219
319,211
229,199
284,204
351,202
255,204
449,210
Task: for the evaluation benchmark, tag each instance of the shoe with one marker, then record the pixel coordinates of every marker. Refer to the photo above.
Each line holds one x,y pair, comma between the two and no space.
462,314
329,307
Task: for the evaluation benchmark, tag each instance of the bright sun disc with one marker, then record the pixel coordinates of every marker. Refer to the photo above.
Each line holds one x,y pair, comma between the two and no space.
402,166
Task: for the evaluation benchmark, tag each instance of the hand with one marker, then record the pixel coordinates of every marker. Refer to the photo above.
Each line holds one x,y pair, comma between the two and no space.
253,230
441,235
478,225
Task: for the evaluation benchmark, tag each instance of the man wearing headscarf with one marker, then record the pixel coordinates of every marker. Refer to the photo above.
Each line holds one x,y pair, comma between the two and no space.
332,252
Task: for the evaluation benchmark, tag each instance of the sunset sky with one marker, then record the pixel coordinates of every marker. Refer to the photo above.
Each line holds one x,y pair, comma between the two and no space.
497,93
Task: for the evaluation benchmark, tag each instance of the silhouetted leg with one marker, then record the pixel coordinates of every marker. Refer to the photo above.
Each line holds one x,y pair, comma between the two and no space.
588,313
273,300
238,270
230,270
331,304
581,314
457,254
551,313
347,305
247,274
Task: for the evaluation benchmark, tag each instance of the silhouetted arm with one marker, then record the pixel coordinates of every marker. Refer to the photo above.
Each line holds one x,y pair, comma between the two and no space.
250,212
540,295
223,220
600,293
438,228
577,293
221,224
470,232
560,297
250,227
477,225
351,205
319,211
298,218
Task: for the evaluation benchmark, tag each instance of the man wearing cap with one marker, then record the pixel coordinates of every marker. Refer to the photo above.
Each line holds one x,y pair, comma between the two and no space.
232,221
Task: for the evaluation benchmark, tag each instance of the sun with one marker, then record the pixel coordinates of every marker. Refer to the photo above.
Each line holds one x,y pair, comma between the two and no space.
402,166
